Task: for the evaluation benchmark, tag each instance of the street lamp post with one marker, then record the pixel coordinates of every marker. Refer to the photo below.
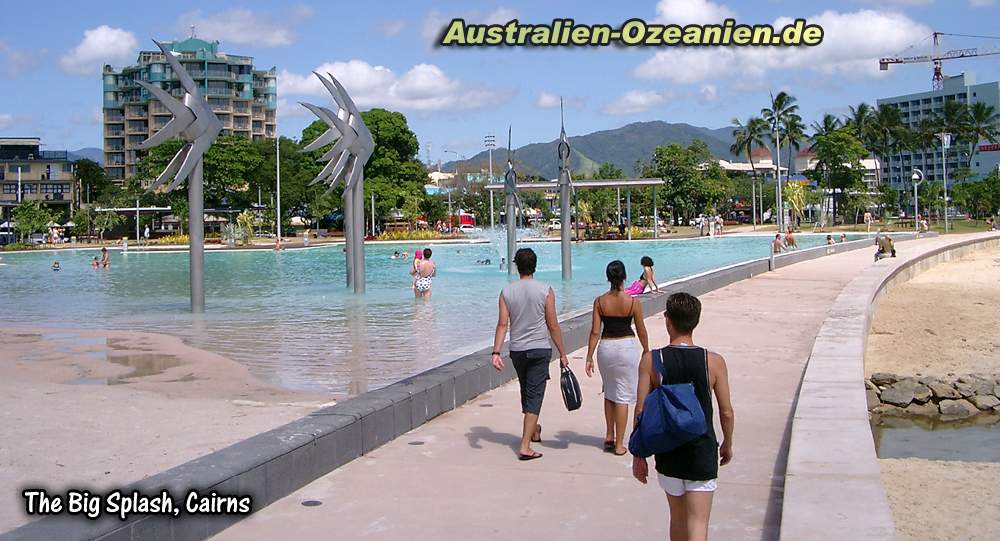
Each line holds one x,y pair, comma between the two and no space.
457,157
945,145
917,178
490,141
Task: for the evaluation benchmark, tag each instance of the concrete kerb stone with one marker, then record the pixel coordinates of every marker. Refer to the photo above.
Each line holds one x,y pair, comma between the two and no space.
833,488
273,464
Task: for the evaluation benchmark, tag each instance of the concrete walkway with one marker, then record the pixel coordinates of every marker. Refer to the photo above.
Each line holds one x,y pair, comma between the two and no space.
457,477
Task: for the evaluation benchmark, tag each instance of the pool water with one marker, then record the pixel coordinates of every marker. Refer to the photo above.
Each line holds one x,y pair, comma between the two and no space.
974,440
289,317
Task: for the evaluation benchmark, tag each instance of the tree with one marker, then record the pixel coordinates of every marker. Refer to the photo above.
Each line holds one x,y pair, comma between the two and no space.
106,221
887,133
30,217
83,220
838,163
747,137
692,181
983,124
828,125
778,115
795,193
93,182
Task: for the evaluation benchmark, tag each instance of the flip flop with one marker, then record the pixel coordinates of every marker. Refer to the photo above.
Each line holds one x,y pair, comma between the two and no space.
537,438
529,457
609,446
623,453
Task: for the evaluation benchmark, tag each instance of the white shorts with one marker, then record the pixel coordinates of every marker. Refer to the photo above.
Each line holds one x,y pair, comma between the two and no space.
677,487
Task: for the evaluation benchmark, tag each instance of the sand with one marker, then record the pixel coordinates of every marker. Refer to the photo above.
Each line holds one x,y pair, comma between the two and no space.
937,499
944,321
96,409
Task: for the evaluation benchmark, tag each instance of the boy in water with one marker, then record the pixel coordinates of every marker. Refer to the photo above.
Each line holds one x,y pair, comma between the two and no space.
688,473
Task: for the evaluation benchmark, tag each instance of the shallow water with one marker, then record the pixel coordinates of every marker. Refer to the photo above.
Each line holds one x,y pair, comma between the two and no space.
977,440
290,319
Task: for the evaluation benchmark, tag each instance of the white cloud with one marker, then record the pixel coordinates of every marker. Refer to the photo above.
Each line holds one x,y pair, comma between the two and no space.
101,45
391,28
708,93
14,62
852,44
547,100
981,3
435,21
242,26
684,12
422,88
634,101
6,120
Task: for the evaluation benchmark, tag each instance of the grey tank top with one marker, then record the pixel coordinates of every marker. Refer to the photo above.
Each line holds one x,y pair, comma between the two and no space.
525,301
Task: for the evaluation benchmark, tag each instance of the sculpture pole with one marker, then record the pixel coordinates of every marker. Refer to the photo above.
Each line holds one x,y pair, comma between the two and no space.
510,189
196,238
352,146
564,192
194,122
359,234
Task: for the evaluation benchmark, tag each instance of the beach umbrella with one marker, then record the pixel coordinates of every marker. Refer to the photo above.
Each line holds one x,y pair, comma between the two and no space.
51,224
69,224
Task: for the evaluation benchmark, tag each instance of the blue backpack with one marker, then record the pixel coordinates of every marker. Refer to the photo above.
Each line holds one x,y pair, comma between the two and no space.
671,416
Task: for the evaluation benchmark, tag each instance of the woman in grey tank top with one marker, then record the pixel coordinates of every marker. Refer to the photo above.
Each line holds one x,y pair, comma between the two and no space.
527,309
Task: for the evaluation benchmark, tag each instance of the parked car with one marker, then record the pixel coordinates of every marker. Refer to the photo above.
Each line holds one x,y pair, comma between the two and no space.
469,228
554,224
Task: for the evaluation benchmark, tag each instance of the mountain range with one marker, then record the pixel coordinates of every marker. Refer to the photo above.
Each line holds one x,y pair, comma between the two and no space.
87,153
620,146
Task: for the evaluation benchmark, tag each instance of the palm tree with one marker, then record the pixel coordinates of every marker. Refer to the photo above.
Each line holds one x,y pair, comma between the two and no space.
795,133
828,125
745,138
983,123
888,133
782,106
861,119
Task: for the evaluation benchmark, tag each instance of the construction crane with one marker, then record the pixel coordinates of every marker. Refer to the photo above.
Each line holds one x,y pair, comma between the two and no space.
937,57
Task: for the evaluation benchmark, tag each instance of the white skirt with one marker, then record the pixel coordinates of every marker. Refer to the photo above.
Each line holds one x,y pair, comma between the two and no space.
618,361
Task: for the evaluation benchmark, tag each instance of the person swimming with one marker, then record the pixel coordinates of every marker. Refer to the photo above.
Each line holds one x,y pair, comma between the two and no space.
55,266
95,263
395,255
829,239
776,246
105,261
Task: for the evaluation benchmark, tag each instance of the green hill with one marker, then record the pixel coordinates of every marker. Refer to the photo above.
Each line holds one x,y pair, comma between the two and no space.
621,146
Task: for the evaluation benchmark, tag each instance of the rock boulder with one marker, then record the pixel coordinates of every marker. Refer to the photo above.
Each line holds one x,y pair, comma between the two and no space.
958,409
941,389
899,393
884,378
985,402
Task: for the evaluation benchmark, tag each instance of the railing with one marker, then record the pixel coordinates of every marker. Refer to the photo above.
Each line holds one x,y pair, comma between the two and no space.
220,92
114,133
114,118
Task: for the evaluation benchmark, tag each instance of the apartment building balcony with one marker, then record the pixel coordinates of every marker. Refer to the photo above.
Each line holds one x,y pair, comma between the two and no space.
135,112
237,125
117,118
114,133
136,127
221,107
227,92
241,109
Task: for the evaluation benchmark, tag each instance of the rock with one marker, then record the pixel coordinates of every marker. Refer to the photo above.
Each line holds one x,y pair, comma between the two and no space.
958,409
983,387
872,397
899,394
888,410
996,390
927,380
996,409
927,410
870,385
965,389
941,389
884,378
985,402
968,379
921,393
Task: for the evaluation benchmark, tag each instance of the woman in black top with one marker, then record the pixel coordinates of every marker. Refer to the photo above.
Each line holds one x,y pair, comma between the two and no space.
688,473
617,355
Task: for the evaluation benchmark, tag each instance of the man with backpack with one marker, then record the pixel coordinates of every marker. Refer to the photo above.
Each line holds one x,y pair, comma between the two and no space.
688,472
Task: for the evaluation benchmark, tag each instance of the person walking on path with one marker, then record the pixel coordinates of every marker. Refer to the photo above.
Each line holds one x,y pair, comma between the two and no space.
688,473
618,354
528,311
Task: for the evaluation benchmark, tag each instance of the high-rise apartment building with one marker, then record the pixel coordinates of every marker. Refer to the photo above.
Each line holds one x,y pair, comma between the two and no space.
897,169
244,99
28,173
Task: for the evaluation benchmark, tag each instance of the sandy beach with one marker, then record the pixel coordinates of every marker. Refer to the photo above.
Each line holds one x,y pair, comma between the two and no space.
939,499
96,409
942,322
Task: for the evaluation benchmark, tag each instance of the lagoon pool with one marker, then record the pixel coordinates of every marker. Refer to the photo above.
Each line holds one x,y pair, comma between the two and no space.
289,317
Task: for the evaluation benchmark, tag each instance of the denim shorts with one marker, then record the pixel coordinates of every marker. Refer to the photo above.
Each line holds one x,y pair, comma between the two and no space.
532,367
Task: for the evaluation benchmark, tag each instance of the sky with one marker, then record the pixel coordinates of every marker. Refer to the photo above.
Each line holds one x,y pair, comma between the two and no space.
383,53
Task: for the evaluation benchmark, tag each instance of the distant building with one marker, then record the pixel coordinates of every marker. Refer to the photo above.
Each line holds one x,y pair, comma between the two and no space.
914,107
28,173
437,177
806,160
245,99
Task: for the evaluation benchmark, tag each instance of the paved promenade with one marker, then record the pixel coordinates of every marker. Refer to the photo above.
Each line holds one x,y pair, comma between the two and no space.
457,477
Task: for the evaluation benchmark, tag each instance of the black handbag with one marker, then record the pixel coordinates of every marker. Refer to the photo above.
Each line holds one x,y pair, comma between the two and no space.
570,389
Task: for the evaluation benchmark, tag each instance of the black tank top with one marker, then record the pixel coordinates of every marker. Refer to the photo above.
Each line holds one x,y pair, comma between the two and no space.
696,460
616,326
